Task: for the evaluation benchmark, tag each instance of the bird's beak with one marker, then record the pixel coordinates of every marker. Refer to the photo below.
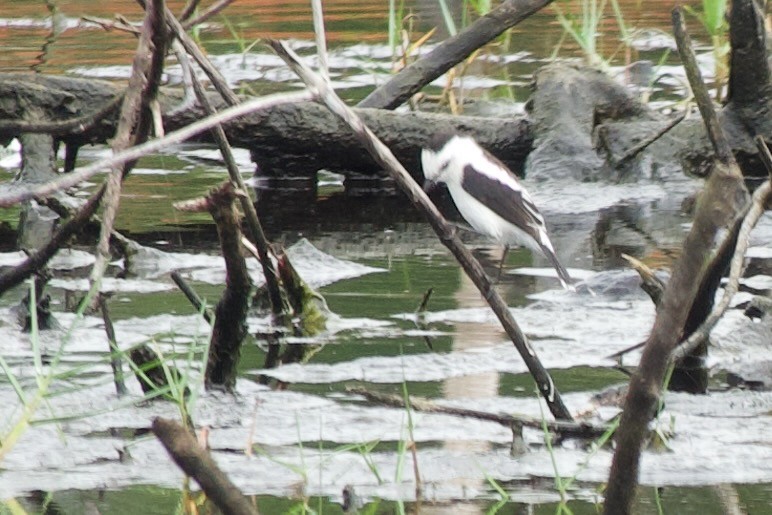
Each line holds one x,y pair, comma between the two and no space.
429,185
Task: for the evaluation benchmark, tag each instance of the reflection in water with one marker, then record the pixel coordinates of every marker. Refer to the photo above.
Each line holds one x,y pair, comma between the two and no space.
637,230
470,335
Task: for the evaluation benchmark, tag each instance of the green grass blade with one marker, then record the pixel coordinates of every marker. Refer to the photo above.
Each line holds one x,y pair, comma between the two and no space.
12,379
447,17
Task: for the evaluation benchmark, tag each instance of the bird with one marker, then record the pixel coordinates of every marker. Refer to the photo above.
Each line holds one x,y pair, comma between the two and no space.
488,195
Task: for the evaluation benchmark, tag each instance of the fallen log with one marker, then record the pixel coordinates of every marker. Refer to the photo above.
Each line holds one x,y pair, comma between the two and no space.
288,141
299,139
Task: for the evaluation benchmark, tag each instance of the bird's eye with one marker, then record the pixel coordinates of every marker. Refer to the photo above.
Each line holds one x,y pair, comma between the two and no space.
444,166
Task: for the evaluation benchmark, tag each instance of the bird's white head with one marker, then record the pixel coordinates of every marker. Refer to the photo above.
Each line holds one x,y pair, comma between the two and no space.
437,158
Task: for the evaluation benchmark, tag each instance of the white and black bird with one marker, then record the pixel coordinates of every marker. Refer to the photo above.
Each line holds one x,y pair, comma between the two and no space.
488,195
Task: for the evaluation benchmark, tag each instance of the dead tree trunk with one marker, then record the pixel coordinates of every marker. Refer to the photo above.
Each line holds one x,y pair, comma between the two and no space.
230,324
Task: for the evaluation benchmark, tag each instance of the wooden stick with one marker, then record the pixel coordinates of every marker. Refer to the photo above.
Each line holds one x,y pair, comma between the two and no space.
192,297
116,363
134,125
194,461
562,427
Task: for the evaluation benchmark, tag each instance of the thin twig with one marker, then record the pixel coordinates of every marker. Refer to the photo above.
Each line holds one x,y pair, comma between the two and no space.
188,75
562,427
116,363
117,24
214,75
193,297
383,156
766,157
81,174
640,147
189,9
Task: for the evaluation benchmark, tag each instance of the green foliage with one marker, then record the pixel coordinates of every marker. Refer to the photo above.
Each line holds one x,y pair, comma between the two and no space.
447,17
712,16
238,37
713,19
584,29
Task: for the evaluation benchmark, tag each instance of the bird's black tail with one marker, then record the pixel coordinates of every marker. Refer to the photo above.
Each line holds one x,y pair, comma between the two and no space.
565,279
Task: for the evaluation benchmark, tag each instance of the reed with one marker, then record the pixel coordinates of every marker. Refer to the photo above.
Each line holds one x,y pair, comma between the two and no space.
713,19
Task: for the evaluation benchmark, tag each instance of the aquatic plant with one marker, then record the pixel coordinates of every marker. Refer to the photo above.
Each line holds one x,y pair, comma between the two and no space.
239,39
585,30
712,16
560,485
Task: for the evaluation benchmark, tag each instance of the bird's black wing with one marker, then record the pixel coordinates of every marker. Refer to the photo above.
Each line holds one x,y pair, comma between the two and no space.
513,205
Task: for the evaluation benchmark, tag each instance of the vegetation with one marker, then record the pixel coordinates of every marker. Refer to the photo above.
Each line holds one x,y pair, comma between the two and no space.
713,18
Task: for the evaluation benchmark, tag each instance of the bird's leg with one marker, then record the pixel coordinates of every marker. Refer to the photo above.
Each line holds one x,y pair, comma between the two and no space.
501,263
455,229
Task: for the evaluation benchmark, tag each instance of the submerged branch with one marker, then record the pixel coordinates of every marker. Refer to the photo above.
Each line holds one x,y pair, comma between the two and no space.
253,221
230,320
561,427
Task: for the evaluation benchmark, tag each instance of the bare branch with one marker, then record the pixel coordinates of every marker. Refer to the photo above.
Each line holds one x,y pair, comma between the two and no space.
723,198
134,125
756,211
701,96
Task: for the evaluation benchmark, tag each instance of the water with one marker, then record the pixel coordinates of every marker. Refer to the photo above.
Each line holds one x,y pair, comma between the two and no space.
373,257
